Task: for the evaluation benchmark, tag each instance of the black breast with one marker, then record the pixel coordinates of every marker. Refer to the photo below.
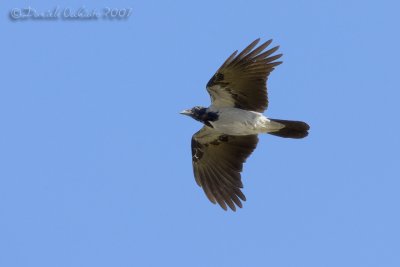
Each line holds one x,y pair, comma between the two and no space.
206,116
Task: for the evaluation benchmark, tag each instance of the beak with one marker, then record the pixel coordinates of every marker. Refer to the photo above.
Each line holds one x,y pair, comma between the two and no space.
187,112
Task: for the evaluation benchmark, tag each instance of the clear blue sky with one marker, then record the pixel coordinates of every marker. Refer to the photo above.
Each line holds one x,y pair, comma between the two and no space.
95,161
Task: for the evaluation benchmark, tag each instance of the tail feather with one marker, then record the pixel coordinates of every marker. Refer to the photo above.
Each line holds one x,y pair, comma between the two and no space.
291,129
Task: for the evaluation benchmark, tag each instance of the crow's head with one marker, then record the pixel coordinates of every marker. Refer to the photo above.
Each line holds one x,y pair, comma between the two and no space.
198,113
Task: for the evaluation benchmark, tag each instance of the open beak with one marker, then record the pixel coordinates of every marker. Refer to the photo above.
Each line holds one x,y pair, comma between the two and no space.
187,112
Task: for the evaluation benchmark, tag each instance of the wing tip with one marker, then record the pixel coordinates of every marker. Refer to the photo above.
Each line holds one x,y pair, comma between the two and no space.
268,42
256,41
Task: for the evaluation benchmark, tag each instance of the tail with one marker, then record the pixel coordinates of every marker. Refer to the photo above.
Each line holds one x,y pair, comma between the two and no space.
291,129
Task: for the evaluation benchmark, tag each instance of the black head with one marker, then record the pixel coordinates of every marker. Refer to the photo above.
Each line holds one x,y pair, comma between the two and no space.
201,114
196,112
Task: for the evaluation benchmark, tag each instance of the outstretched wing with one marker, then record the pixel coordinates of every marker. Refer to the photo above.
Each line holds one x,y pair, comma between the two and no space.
217,162
241,81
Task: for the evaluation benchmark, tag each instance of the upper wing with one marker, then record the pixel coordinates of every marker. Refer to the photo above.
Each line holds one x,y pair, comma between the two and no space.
241,81
217,162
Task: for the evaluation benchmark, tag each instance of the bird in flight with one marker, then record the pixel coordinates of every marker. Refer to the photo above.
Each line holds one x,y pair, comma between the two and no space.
238,94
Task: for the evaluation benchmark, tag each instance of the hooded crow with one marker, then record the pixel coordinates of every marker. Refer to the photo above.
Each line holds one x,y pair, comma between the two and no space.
238,94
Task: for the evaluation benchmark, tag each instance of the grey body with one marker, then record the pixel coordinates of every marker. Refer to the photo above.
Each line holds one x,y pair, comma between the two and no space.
235,121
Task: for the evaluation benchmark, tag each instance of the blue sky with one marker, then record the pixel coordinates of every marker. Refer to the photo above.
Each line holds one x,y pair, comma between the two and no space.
95,159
